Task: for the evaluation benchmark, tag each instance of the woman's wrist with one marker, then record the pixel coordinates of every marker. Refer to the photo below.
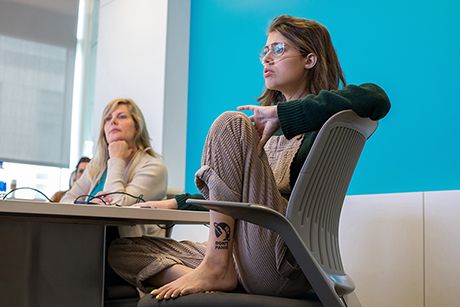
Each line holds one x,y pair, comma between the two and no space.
171,203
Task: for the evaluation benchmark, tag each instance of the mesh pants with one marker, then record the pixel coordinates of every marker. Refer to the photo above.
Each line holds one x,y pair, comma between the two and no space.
231,171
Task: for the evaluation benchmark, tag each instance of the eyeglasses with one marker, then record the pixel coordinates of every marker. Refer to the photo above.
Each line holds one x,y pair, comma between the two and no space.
277,49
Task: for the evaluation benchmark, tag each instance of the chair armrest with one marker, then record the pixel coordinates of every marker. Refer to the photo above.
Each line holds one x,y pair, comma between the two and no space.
253,213
273,220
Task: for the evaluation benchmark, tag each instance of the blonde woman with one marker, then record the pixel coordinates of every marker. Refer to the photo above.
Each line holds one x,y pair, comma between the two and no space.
124,163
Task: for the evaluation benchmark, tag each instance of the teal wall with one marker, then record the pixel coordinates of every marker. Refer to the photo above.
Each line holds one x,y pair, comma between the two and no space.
410,48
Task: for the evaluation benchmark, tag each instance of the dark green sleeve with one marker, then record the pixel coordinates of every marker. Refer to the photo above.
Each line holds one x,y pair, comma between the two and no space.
311,112
182,202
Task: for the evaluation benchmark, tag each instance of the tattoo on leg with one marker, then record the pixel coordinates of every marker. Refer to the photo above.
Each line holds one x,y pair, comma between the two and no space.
220,230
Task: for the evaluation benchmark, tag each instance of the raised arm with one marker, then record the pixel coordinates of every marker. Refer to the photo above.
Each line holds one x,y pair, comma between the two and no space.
311,112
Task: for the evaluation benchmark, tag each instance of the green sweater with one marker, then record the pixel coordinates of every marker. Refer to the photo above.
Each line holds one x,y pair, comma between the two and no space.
307,115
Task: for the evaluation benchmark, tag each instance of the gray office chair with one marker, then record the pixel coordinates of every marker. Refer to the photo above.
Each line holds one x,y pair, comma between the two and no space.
311,225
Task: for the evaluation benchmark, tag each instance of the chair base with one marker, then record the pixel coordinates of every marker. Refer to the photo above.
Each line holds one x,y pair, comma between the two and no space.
126,302
230,300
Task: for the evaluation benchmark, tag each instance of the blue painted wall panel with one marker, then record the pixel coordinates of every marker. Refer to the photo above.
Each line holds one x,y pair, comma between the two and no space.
409,48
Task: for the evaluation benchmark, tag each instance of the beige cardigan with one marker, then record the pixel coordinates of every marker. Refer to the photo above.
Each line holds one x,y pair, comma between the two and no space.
145,175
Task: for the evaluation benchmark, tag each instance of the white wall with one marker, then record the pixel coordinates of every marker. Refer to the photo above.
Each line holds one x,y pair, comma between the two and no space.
137,57
403,249
442,248
381,242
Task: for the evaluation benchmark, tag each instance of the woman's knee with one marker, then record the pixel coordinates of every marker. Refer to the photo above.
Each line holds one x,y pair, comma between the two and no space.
230,118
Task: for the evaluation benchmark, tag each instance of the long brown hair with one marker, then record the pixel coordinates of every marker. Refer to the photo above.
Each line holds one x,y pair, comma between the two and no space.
308,36
141,139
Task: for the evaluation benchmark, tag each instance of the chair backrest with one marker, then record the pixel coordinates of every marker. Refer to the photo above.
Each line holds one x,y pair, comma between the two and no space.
316,201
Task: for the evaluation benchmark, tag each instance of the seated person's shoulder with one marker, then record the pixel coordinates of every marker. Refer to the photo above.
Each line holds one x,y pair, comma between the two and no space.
153,161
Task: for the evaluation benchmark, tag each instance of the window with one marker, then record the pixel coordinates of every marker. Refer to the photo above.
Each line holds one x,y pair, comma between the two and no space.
40,58
47,180
34,107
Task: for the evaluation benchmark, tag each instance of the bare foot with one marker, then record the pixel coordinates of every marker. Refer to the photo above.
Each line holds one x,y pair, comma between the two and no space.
205,278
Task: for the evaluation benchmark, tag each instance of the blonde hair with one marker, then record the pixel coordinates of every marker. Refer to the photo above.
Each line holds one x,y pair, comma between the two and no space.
308,36
141,138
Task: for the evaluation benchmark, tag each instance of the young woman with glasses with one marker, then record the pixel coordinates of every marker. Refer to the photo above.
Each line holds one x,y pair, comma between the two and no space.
242,162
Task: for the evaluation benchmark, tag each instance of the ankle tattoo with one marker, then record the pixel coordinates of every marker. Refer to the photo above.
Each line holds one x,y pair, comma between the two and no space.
223,235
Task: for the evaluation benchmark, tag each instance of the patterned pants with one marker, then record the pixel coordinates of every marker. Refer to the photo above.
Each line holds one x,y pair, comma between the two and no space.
231,171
